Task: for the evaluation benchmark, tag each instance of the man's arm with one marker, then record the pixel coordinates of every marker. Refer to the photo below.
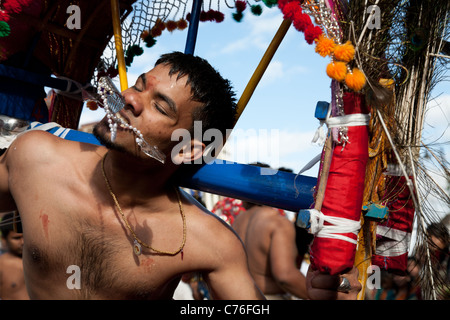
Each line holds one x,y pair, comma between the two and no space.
231,278
283,259
322,286
1,278
28,149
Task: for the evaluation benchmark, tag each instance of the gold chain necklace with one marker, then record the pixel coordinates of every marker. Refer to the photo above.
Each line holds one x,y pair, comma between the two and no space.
138,243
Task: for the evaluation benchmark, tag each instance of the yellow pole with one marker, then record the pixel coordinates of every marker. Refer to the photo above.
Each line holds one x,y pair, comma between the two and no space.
115,11
262,66
363,255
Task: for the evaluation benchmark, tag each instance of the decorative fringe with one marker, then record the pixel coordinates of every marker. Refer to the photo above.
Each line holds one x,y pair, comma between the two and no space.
355,80
337,70
344,52
325,46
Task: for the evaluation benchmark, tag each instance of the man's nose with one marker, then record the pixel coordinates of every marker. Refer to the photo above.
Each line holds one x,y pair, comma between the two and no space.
133,102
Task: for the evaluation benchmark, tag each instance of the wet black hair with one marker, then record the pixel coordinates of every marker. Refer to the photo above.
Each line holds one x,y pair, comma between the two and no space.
208,87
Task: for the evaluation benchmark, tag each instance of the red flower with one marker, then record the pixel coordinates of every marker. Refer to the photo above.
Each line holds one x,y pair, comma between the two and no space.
182,24
312,33
203,16
4,16
13,6
171,25
302,21
282,3
219,16
291,9
240,5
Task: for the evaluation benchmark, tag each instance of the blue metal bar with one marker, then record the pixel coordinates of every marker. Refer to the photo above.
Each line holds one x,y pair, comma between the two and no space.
193,27
281,189
36,78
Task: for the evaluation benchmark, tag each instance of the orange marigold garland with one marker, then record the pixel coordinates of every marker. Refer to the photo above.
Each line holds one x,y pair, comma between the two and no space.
324,46
148,36
344,52
355,79
341,54
337,70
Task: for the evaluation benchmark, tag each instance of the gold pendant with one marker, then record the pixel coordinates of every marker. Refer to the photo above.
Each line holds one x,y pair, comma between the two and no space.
137,248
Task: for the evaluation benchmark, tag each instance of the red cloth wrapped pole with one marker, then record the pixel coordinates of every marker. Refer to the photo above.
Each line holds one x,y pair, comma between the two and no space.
393,235
343,194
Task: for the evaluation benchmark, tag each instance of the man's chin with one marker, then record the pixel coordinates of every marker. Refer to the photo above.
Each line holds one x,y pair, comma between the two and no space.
103,135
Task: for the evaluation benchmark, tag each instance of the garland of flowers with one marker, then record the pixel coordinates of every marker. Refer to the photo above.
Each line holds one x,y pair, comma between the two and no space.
8,7
5,29
9,26
148,36
341,54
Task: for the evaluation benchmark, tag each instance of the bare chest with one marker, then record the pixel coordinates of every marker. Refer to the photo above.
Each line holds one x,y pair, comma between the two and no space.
101,264
84,250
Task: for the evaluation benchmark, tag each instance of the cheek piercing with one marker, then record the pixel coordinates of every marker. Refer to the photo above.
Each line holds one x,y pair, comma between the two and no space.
113,102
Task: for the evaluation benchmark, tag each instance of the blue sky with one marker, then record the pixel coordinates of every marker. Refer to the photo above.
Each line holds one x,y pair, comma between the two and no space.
280,115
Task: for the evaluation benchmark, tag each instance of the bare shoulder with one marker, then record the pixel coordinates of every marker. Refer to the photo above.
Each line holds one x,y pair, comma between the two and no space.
211,232
210,223
33,145
36,146
6,259
270,218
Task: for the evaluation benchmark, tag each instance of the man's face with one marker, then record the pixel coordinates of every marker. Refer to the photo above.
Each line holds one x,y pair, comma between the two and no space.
156,105
14,242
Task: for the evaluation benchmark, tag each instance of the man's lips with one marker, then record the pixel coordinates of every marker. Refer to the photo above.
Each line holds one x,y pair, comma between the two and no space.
124,122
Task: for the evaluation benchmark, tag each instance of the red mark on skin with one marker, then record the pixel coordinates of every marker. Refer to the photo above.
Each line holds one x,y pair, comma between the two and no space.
147,263
45,221
150,81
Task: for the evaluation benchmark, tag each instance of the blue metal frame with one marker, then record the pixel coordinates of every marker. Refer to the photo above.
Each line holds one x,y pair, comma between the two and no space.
193,27
277,189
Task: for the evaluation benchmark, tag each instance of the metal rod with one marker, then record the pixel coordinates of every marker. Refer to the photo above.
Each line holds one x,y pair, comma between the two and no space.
193,27
115,11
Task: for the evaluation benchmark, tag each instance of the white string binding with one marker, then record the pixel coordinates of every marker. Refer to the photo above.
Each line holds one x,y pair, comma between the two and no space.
350,120
337,226
397,244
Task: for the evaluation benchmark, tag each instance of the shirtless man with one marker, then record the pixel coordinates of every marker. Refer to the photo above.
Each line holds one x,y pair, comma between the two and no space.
83,206
274,261
74,229
273,258
12,281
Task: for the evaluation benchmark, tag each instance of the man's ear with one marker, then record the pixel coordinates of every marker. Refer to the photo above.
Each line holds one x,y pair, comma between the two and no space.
191,152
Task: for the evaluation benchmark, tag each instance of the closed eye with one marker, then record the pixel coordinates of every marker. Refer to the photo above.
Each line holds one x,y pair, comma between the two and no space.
136,88
160,109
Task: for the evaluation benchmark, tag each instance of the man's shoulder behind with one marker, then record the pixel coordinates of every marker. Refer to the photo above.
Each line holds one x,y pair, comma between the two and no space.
34,139
37,144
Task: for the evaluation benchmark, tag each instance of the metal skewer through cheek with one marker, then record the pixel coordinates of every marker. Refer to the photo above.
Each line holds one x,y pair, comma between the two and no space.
113,102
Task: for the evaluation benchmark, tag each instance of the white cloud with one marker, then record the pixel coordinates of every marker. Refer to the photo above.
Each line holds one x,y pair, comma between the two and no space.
259,29
274,71
437,119
438,110
277,70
